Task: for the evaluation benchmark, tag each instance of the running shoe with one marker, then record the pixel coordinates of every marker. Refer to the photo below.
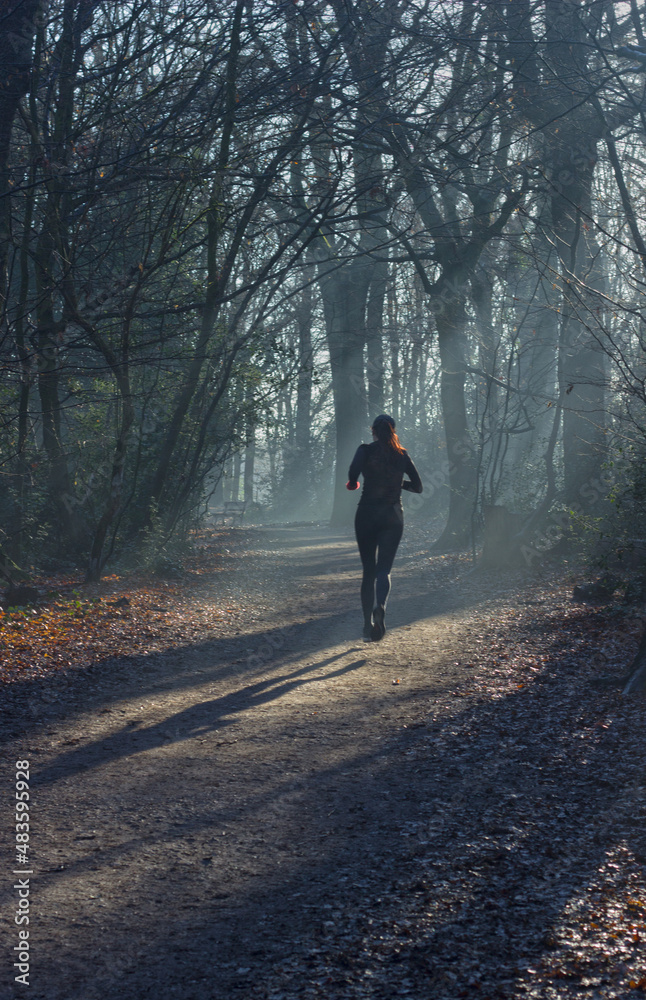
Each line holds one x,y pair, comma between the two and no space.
378,630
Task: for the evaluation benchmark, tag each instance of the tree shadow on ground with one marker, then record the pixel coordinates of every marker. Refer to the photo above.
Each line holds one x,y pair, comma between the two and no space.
27,704
434,864
197,720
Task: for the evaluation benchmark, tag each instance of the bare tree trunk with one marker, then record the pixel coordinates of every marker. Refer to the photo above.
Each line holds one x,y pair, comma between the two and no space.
20,323
53,280
538,343
553,96
227,480
582,361
344,295
48,332
26,374
119,365
219,266
249,464
303,423
374,340
97,553
17,32
237,468
393,339
298,458
451,320
482,297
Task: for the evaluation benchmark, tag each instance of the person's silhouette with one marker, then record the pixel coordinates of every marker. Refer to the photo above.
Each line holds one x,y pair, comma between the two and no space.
379,521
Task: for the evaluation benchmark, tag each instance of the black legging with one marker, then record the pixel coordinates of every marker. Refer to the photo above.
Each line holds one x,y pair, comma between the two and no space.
377,526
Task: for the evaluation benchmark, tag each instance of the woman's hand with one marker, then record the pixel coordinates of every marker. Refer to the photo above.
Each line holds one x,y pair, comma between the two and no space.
351,486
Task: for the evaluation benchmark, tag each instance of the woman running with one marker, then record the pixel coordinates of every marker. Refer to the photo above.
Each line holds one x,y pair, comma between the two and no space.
379,521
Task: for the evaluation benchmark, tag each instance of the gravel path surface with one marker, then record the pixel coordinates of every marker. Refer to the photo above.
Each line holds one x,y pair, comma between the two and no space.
283,810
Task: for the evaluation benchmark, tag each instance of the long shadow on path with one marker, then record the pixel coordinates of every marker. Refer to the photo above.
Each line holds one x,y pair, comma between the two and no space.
197,720
435,862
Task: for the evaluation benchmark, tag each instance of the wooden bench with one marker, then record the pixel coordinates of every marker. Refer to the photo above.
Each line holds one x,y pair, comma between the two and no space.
232,511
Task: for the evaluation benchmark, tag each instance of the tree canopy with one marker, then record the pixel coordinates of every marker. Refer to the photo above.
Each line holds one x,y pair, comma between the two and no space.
234,232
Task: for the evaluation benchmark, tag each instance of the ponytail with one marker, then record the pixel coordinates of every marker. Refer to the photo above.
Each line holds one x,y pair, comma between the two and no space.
384,428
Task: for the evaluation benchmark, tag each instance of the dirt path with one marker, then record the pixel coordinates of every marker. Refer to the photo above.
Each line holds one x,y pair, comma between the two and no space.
291,812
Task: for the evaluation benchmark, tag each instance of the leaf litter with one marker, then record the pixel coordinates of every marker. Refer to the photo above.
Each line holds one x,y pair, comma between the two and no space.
76,625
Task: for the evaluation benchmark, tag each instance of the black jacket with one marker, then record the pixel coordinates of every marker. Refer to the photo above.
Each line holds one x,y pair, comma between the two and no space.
383,473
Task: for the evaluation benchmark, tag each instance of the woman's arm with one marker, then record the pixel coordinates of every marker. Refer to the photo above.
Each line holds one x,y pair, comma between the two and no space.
356,467
415,484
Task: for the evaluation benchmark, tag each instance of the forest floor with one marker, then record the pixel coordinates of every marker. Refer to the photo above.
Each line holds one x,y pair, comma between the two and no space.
233,796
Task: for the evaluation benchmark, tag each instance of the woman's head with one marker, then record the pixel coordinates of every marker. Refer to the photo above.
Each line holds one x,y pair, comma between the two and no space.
383,428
